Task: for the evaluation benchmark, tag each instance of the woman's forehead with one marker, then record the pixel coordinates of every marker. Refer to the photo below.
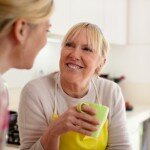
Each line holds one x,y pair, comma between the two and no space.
82,33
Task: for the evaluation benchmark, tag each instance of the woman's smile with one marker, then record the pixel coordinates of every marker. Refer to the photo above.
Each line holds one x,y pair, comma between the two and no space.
74,66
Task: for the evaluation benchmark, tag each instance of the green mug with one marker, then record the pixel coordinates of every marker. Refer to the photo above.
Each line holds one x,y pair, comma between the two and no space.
101,115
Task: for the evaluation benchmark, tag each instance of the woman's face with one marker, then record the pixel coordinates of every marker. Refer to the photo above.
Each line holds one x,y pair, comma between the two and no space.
37,38
78,61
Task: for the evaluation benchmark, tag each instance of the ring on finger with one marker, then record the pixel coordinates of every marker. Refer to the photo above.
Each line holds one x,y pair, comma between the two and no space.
79,107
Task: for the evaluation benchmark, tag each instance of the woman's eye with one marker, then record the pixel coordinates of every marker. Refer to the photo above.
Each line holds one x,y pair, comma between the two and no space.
47,30
87,49
68,44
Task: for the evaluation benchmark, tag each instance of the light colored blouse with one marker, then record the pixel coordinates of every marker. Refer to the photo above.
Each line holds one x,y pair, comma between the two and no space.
37,108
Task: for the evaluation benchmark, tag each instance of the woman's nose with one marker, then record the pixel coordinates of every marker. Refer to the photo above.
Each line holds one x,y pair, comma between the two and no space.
75,54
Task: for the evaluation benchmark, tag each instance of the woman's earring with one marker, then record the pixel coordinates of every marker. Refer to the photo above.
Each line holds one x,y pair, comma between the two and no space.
97,71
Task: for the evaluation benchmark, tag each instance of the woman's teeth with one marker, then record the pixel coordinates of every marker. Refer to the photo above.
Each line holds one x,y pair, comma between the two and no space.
73,66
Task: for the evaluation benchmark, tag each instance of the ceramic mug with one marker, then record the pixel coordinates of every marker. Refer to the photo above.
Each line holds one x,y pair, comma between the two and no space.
101,115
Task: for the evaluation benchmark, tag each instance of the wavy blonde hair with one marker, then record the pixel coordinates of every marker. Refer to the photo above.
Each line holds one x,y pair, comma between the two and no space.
34,11
94,36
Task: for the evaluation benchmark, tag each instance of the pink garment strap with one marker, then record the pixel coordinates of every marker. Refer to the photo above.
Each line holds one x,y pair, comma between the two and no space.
3,111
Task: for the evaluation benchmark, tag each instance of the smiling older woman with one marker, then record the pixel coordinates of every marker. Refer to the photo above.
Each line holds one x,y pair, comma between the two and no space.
48,118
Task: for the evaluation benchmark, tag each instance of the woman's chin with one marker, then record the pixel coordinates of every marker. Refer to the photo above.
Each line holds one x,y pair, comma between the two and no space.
25,66
72,78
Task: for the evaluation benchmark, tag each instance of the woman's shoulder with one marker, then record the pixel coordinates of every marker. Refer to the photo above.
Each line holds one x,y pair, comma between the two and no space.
109,91
105,83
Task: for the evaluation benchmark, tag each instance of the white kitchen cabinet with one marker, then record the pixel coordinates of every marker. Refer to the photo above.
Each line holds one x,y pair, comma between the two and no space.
109,15
135,121
60,18
135,134
86,11
139,21
69,12
115,21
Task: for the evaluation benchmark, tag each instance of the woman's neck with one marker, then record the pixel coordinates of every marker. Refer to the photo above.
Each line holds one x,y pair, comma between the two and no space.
4,63
5,55
76,90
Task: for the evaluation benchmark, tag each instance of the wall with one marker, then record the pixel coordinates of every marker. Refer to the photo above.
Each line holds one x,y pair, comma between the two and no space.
133,61
48,59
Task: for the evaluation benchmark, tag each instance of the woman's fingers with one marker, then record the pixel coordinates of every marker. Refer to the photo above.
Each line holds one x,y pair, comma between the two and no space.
81,130
88,118
81,122
88,109
85,125
85,120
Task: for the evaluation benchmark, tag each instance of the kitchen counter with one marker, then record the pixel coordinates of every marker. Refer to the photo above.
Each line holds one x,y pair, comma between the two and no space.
11,147
138,132
139,114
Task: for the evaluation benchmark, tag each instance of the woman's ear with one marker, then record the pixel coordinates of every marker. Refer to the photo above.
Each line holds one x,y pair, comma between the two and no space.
21,30
99,68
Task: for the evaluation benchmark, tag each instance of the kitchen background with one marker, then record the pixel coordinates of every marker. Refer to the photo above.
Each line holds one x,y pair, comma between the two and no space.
125,23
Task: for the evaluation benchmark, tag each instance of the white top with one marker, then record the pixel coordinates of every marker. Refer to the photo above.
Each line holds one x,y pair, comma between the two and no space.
37,107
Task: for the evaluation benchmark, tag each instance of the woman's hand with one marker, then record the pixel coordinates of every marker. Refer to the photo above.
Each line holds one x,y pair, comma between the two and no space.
72,120
83,122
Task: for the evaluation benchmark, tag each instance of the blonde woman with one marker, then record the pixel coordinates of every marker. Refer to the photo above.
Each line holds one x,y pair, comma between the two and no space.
23,28
48,118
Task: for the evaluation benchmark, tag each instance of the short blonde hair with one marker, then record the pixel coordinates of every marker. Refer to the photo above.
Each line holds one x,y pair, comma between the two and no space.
94,36
34,11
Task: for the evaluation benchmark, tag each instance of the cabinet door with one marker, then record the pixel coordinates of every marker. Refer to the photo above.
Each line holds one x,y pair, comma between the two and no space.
135,140
109,15
86,11
139,21
115,21
135,132
60,17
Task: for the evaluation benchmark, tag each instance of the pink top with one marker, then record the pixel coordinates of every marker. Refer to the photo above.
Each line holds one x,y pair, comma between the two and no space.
3,112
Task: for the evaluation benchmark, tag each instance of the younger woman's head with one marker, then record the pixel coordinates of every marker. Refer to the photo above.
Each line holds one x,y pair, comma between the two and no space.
23,30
